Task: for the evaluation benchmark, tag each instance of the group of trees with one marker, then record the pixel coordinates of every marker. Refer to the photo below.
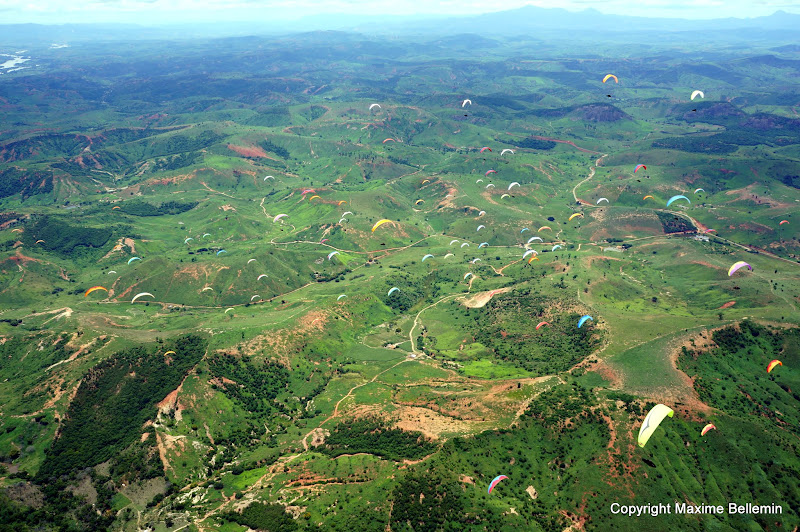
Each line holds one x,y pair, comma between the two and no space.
25,182
270,517
507,326
254,385
141,208
115,398
374,436
63,238
674,224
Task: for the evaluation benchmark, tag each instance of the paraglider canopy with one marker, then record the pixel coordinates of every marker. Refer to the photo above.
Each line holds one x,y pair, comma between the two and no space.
697,93
639,166
707,428
380,223
601,199
94,288
609,76
772,365
541,323
392,291
279,217
495,481
675,198
428,256
142,294
465,102
375,105
505,150
485,148
651,422
574,215
648,196
583,320
737,265
513,184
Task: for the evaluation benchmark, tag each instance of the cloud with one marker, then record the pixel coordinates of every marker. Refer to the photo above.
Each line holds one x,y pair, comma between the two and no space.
165,11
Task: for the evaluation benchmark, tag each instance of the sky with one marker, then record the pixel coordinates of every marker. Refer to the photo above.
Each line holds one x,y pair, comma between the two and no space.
158,12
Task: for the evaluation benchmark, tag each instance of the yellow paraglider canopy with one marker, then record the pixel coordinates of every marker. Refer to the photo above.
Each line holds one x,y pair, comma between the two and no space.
380,223
772,365
651,422
92,289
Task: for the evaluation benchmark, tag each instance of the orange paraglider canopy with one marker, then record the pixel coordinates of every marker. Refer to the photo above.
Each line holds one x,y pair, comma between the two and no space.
94,288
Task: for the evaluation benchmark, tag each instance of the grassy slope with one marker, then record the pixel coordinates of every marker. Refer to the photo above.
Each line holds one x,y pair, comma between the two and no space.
645,300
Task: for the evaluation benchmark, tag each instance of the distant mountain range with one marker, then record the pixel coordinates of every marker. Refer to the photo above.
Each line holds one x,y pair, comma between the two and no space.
510,22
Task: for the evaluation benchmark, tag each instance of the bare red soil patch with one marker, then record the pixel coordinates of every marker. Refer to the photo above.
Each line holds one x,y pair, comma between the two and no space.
248,151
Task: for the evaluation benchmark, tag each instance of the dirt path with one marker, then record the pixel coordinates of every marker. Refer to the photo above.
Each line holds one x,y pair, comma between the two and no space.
416,319
336,408
216,191
591,175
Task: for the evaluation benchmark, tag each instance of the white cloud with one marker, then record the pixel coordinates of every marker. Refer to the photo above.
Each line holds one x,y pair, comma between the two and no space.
142,11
